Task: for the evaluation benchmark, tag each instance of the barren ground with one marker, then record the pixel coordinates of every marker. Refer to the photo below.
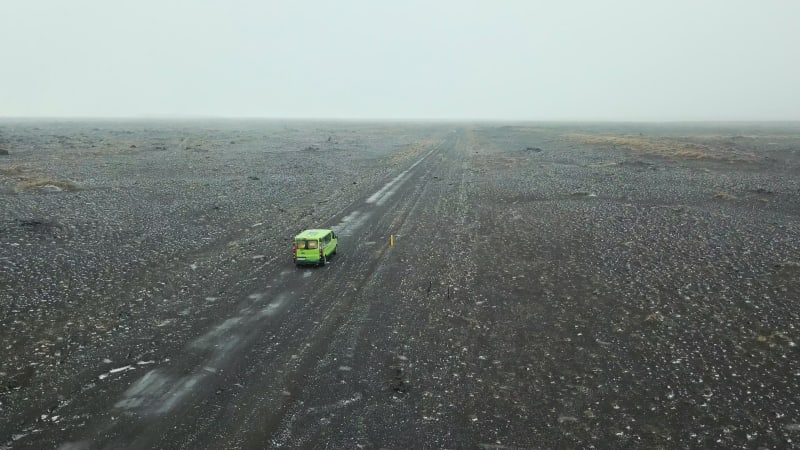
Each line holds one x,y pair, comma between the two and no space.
551,285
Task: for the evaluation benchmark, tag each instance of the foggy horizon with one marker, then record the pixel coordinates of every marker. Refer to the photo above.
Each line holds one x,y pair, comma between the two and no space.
366,120
620,61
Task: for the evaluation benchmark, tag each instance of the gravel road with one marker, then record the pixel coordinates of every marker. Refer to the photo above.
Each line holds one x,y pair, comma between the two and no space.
549,286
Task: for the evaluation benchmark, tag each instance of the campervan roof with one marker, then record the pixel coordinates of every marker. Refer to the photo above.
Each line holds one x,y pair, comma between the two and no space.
311,234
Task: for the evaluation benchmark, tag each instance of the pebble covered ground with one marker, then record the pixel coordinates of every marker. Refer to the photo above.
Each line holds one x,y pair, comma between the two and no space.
573,295
553,285
109,230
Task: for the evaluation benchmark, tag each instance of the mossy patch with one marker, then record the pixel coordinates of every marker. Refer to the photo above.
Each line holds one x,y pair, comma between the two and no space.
46,183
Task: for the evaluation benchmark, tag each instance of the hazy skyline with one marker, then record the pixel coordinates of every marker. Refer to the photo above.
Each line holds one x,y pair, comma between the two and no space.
514,60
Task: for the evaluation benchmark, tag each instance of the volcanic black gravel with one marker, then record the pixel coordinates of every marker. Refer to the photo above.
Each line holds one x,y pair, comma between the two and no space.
546,289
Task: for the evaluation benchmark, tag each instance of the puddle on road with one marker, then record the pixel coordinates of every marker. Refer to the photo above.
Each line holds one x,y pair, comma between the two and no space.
273,307
380,197
210,338
351,223
160,392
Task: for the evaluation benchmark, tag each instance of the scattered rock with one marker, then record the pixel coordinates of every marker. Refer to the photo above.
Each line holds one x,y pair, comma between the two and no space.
397,382
3,152
788,265
38,224
654,318
724,196
650,292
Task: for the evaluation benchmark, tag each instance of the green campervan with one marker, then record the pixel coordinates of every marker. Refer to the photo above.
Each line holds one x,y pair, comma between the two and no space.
314,247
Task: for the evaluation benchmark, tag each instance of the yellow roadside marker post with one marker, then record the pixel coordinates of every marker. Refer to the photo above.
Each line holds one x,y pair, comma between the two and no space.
391,240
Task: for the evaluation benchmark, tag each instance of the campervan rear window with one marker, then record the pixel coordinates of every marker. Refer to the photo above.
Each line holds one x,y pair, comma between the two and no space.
307,245
303,245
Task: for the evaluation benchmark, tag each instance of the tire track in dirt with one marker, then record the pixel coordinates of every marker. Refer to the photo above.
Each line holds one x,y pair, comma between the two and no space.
356,377
260,426
171,397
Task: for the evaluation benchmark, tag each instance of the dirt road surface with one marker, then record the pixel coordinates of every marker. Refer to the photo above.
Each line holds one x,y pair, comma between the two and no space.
549,286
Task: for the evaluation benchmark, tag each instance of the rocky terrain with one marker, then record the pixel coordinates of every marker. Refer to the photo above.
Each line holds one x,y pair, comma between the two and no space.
551,285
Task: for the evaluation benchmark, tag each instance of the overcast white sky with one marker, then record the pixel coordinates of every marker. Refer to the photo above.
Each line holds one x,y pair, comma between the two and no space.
527,60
